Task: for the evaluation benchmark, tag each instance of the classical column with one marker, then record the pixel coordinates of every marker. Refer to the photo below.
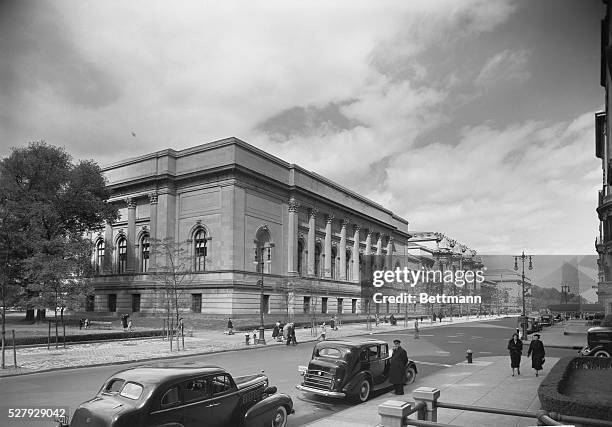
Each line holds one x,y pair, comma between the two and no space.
379,244
368,248
153,228
131,233
328,252
312,216
343,249
292,234
108,248
356,255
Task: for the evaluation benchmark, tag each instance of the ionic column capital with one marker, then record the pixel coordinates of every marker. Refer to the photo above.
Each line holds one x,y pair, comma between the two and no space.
131,203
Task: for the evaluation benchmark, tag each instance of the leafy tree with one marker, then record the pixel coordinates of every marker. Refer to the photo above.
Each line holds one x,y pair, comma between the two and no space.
47,205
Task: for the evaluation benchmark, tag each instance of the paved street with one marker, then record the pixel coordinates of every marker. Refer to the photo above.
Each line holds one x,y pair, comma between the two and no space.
437,349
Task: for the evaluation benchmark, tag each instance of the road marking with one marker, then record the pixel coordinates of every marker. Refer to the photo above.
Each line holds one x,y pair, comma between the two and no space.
485,352
442,351
432,363
455,342
476,338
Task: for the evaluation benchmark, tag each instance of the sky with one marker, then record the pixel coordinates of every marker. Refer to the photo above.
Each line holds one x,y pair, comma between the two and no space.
474,118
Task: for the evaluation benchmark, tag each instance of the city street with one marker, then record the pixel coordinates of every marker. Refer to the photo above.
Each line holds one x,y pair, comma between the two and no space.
436,349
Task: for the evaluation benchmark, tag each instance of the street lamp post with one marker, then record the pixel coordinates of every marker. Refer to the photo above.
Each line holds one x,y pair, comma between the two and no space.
523,258
261,262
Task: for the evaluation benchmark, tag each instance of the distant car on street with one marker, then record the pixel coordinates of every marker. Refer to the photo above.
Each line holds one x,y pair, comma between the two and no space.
599,342
546,320
183,396
349,368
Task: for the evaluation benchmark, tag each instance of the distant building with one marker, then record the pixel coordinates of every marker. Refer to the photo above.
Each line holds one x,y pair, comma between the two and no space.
603,150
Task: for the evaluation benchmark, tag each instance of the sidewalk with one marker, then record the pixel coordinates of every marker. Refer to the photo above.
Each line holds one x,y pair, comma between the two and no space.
37,359
487,382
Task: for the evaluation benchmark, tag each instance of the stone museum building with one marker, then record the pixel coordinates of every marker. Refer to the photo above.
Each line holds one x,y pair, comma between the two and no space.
234,216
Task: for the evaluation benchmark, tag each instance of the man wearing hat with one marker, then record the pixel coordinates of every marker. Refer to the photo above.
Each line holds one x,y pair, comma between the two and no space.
397,367
536,351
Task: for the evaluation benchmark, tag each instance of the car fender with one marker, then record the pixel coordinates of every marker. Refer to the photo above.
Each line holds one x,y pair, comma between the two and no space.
260,413
352,385
412,365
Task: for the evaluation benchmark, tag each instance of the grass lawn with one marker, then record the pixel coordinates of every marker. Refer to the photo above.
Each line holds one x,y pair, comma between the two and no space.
590,384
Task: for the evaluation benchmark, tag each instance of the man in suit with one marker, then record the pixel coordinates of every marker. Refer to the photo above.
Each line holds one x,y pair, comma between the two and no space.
397,367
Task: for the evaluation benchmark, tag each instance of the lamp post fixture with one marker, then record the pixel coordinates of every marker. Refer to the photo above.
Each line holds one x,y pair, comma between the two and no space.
261,262
523,258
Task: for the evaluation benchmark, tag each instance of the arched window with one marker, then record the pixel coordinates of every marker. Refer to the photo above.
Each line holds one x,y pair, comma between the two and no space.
145,248
349,266
300,256
334,274
317,265
122,255
99,256
263,251
199,250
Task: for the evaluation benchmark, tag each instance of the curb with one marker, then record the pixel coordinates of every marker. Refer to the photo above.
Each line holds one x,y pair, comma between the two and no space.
124,362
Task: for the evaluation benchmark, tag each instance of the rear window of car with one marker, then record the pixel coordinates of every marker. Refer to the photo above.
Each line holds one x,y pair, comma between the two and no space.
131,391
331,352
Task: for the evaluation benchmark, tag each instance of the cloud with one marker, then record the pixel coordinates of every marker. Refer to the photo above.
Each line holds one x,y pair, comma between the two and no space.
504,66
531,184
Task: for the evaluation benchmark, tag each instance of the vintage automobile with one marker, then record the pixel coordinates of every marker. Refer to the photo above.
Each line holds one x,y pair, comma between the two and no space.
183,396
599,342
349,368
546,320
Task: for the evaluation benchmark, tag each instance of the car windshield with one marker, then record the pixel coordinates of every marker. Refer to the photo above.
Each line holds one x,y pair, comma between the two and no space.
114,385
131,391
331,352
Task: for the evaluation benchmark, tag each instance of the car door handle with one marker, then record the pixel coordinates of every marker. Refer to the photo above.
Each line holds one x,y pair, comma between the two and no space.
213,404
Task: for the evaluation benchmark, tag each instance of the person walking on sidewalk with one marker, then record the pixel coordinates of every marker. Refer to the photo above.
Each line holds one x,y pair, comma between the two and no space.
515,346
276,331
397,367
230,326
536,351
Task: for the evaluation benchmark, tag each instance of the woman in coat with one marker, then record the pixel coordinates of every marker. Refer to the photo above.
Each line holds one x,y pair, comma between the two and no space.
536,351
515,346
276,331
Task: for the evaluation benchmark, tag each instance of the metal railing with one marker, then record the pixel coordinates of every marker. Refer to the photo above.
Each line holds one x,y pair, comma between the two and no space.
394,413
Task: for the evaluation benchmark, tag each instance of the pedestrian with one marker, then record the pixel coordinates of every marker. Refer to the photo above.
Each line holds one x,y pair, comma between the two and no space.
323,332
286,335
130,325
397,367
536,351
292,333
81,323
433,317
392,320
416,329
332,323
86,323
254,336
276,331
124,321
515,346
376,318
230,326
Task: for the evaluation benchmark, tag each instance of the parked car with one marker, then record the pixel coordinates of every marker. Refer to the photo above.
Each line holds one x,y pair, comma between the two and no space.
599,342
349,368
546,320
183,396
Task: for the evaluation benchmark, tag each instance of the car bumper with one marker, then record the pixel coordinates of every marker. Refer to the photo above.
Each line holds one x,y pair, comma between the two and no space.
326,393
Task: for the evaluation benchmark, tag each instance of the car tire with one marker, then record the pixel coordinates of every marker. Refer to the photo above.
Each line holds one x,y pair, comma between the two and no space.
363,391
601,353
410,375
279,418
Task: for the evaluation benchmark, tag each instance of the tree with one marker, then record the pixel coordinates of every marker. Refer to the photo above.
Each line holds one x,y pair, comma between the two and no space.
47,205
173,270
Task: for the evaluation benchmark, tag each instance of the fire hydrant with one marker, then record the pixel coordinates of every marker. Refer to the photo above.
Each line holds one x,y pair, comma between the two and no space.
469,356
247,338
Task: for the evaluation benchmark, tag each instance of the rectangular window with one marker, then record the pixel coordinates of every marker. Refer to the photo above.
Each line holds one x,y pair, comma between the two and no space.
112,302
135,303
196,303
323,305
340,303
266,304
306,304
354,306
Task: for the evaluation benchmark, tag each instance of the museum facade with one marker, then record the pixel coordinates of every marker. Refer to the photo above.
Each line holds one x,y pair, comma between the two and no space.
227,216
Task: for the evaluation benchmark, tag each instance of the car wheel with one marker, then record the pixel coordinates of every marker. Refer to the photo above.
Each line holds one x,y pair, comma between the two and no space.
410,375
363,392
279,419
601,353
